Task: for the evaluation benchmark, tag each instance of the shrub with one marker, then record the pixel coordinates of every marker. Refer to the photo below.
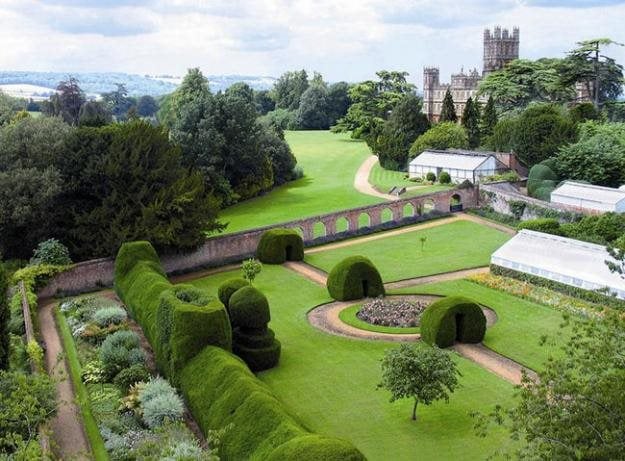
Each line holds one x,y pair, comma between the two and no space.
541,176
120,350
249,308
52,252
160,402
279,245
228,288
454,318
444,178
111,315
546,225
353,278
131,375
430,176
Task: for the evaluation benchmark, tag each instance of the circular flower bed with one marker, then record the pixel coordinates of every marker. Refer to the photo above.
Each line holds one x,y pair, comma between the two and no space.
392,313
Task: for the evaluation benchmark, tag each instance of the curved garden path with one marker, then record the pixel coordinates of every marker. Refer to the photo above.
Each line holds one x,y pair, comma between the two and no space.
68,433
361,180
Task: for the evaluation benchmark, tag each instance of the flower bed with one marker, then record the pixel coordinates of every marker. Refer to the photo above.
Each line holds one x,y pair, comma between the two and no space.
139,415
392,313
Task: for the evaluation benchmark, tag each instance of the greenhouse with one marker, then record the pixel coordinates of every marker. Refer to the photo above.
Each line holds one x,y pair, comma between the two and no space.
589,197
568,261
461,165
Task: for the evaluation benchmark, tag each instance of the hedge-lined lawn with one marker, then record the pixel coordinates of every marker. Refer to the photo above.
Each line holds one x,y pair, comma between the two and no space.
384,180
329,383
449,247
520,325
330,162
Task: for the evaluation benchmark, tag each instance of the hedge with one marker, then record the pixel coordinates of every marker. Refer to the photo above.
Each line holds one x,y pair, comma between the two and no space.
279,245
249,308
227,289
354,277
439,322
576,292
221,391
546,225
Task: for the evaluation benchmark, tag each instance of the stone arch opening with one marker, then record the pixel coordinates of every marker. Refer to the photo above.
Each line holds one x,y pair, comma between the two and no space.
364,220
342,224
386,215
455,203
319,230
428,206
408,210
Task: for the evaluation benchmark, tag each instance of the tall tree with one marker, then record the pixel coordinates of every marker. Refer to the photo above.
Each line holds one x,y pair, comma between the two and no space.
118,101
471,122
489,118
338,101
67,101
445,135
264,102
147,106
94,113
5,315
448,111
312,113
289,89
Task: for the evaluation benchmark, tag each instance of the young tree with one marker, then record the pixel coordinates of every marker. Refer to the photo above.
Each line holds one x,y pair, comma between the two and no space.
251,268
471,122
448,111
575,409
489,118
425,374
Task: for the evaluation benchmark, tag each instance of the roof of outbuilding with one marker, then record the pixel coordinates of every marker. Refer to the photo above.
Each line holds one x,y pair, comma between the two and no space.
457,159
589,192
561,255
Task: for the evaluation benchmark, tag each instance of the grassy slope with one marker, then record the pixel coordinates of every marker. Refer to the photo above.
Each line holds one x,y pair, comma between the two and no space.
330,162
520,325
449,247
384,180
329,383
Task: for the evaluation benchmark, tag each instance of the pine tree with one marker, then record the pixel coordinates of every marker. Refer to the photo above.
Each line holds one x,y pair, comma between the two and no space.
489,118
448,112
471,122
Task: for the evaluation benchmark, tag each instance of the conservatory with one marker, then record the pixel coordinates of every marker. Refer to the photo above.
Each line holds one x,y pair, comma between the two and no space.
589,197
461,165
568,261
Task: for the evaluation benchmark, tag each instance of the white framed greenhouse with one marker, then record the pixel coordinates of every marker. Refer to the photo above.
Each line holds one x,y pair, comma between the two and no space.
460,164
564,260
589,197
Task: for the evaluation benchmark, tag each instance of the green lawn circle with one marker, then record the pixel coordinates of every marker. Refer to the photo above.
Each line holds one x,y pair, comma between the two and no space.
348,316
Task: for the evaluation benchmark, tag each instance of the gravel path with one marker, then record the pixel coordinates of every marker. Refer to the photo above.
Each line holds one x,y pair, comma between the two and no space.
68,433
502,366
361,180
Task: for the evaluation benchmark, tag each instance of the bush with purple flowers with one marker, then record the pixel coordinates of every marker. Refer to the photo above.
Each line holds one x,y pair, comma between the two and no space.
392,313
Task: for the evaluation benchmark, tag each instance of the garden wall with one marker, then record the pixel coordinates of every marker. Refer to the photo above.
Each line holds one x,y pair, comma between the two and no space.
221,249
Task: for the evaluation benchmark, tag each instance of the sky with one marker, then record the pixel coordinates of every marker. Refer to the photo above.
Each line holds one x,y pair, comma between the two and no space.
343,39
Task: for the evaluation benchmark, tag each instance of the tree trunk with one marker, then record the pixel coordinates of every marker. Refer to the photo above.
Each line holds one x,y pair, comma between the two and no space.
414,410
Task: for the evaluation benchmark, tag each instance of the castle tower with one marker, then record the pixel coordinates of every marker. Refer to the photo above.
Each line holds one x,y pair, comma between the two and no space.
500,47
431,80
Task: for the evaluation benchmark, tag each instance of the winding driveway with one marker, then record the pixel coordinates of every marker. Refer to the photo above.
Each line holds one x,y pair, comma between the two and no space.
361,180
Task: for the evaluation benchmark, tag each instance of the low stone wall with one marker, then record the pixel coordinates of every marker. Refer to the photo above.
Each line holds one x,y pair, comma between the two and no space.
222,249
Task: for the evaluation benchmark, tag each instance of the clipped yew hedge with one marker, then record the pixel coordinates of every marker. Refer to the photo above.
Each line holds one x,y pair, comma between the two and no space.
355,277
454,318
221,390
279,245
227,289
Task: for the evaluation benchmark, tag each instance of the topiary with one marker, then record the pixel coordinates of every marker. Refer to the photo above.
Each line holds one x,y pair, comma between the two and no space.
131,375
249,309
430,176
279,245
228,288
454,318
354,278
259,358
444,178
540,175
546,225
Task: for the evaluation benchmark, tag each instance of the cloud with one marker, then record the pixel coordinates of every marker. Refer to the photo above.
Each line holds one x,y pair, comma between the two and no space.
573,3
108,24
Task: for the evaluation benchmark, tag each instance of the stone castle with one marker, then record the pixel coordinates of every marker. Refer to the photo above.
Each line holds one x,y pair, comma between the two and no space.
500,47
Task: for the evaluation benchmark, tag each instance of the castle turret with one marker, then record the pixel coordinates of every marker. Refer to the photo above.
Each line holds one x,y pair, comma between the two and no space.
500,47
431,80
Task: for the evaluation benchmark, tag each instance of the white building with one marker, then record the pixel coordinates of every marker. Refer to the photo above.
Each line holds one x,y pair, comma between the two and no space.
460,164
568,261
588,197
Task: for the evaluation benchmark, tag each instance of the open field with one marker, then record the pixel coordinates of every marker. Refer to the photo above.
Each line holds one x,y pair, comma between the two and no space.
449,247
329,383
329,161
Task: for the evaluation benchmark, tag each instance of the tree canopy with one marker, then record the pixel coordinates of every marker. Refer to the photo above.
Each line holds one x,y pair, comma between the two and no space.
446,135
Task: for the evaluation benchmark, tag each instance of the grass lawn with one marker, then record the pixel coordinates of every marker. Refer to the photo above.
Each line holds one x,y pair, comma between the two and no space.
520,325
384,180
349,317
329,384
449,247
330,162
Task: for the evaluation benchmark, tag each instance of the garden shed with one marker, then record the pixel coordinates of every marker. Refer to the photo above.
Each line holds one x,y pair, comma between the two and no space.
589,197
460,164
560,259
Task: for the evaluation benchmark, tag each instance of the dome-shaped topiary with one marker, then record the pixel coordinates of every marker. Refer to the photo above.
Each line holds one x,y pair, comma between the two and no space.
249,309
451,319
229,287
279,245
354,278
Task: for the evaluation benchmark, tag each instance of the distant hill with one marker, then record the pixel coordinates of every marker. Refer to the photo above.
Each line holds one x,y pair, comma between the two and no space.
95,83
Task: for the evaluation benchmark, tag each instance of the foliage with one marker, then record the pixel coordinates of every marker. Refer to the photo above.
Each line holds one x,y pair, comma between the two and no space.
279,120
541,176
388,312
264,102
279,245
221,391
5,317
283,162
354,277
425,374
26,402
249,308
454,318
160,403
392,141
430,176
448,110
546,225
147,106
580,389
338,101
118,102
251,268
289,89
312,113
445,135
110,315
489,118
120,350
228,288
597,157
95,114
52,252
131,375
67,101
471,122
35,355
444,178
